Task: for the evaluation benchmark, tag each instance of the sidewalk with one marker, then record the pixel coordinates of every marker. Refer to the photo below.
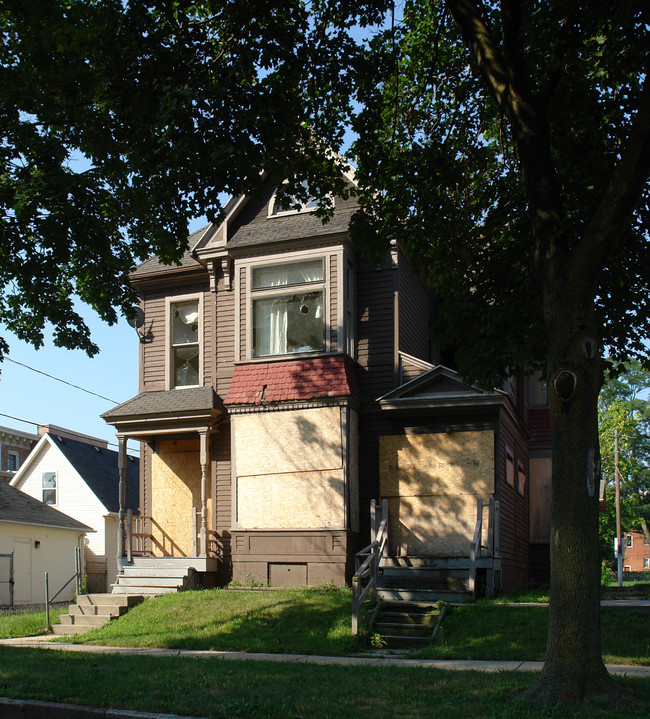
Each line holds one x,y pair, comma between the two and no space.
379,660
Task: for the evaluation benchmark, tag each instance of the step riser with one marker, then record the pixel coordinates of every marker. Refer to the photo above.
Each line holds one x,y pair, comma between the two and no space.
427,562
423,595
119,589
105,611
97,600
174,582
153,572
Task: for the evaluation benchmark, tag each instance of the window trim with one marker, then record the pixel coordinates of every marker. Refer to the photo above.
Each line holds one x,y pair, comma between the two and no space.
510,460
334,317
271,214
629,540
197,297
16,457
49,489
281,291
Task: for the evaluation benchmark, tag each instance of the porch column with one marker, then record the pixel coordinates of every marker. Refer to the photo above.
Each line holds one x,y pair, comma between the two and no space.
121,468
203,534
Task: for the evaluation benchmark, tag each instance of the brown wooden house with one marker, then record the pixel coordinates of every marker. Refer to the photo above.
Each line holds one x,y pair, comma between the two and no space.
284,383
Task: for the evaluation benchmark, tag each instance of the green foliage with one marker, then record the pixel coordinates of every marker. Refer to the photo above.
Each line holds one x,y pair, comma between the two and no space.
624,407
122,121
445,166
25,624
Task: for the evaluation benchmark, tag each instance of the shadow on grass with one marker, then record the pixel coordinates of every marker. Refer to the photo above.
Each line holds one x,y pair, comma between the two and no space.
309,621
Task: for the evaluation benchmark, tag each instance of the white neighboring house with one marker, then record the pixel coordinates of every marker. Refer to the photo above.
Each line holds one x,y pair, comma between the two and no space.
78,475
38,539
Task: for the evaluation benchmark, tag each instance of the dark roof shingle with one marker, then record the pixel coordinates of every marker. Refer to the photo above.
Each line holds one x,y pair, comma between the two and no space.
16,506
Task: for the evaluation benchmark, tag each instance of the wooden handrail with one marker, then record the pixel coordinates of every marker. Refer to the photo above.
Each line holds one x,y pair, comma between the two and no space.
372,555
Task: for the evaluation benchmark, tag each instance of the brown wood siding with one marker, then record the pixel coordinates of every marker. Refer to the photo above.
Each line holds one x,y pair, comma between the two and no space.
242,313
153,353
222,492
333,303
375,330
415,313
514,514
224,328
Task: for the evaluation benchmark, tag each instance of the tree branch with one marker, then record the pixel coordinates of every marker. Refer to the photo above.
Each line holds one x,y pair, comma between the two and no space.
622,195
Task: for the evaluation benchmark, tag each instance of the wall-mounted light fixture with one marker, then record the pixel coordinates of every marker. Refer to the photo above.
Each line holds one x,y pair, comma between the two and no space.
37,544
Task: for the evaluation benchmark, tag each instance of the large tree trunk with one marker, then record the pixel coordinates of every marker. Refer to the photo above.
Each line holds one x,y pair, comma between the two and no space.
574,668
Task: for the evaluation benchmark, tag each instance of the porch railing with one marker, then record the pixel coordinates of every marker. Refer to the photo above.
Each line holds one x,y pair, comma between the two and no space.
367,561
143,535
485,555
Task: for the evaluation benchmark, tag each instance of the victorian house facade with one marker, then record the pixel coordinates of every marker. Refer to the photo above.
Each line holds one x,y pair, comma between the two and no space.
285,382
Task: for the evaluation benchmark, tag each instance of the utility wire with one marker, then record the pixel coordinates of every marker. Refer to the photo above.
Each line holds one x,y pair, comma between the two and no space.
58,379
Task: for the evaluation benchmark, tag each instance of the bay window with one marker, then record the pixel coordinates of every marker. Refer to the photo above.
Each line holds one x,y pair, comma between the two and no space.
288,308
185,346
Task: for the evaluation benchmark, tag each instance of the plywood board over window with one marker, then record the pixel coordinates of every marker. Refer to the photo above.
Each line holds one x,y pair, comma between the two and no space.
431,482
290,471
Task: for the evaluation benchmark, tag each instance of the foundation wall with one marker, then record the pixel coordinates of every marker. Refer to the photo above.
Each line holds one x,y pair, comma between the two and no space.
431,482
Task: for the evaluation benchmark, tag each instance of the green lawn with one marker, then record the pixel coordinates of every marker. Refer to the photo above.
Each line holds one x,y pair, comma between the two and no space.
25,624
221,689
318,622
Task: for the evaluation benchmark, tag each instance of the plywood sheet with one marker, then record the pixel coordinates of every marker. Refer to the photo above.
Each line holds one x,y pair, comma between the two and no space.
418,465
175,489
291,501
432,482
293,441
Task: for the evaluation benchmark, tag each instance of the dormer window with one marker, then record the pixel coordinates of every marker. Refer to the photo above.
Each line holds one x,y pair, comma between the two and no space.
288,204
185,344
288,308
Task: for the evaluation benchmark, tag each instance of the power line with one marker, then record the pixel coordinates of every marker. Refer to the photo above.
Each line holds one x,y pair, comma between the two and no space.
58,379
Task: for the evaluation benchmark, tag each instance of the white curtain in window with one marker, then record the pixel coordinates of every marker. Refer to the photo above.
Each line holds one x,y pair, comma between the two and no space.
293,274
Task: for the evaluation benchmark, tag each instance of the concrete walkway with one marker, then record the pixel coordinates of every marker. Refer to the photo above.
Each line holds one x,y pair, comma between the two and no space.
377,660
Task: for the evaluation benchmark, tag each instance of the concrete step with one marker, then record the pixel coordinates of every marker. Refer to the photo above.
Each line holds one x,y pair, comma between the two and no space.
107,610
68,629
121,589
176,562
148,581
107,599
151,571
85,621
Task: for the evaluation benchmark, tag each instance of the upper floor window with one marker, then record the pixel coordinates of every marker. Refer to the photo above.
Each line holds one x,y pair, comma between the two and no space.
288,308
13,461
185,344
49,487
628,540
537,391
287,204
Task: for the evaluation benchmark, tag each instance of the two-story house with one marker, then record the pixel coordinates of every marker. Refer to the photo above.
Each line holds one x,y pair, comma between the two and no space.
285,382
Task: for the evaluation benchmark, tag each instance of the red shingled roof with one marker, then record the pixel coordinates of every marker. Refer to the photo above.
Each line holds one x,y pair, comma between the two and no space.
283,381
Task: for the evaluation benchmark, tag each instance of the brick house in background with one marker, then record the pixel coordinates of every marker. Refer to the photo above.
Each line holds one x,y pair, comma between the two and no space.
15,447
637,552
285,381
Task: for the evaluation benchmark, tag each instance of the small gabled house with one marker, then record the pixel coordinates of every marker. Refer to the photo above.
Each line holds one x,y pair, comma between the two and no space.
76,474
285,382
36,538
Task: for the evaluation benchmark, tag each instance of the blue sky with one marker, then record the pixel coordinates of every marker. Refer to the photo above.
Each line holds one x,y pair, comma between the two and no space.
113,373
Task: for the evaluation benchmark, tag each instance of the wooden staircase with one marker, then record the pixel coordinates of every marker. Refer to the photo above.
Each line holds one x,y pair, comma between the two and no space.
411,590
94,610
406,624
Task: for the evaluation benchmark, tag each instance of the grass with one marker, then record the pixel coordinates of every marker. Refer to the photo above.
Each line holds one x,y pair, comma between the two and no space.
25,624
489,630
218,689
286,621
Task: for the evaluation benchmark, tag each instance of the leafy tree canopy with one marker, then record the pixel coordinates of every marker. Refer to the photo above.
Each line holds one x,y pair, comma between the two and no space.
624,405
122,120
